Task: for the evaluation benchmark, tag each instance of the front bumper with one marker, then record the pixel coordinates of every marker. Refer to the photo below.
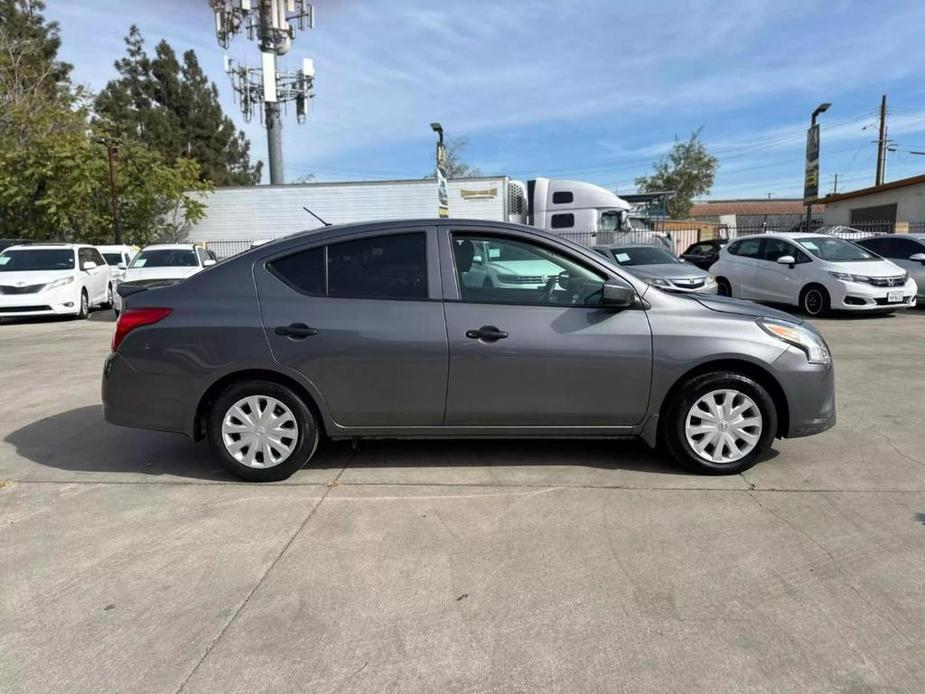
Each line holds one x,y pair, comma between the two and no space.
56,302
857,296
810,392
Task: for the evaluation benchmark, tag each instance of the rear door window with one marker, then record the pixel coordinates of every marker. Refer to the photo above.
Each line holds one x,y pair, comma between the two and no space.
746,248
379,267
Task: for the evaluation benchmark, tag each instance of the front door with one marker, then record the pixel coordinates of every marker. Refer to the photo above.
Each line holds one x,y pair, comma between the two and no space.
535,347
362,321
776,282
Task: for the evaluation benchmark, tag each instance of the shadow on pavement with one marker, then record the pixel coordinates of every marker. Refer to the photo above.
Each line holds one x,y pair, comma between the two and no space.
81,440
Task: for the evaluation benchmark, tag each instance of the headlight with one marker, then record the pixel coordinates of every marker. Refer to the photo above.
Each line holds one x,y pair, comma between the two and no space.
848,277
817,352
711,279
656,282
58,283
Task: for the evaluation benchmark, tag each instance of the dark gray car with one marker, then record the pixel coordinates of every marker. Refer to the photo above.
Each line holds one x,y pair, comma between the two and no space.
372,330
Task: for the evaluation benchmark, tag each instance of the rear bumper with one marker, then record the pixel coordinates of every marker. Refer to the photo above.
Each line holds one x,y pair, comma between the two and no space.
148,401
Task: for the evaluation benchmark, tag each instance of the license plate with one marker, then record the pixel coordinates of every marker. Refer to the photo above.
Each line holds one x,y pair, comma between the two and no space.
894,297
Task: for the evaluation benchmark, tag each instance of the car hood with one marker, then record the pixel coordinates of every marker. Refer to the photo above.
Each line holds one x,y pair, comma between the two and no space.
724,304
159,273
871,268
666,270
30,277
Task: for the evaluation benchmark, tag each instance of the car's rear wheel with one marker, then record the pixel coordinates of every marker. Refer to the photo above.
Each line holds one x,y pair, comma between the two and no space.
814,300
723,288
262,431
720,423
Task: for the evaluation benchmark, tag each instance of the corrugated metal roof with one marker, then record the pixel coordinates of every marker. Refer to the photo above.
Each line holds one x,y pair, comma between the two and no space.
759,206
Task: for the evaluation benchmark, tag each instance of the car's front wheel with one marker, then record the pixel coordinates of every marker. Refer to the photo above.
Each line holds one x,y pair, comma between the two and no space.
84,309
815,301
720,423
262,431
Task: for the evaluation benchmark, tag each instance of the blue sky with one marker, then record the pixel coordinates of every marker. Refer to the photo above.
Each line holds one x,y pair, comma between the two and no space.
591,90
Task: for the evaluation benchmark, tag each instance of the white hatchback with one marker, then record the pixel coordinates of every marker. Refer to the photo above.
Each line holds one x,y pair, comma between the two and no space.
53,280
815,272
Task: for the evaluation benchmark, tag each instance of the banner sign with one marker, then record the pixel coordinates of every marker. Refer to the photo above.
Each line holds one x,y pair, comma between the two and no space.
443,196
811,179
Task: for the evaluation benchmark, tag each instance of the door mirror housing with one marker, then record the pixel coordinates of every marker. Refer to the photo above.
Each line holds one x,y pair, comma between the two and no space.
918,257
208,263
89,265
121,266
787,260
615,294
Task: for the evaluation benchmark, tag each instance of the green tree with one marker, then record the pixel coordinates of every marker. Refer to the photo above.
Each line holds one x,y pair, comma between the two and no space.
173,108
455,166
688,170
54,176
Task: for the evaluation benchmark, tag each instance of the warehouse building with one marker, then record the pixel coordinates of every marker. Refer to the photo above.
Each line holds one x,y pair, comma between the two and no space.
897,206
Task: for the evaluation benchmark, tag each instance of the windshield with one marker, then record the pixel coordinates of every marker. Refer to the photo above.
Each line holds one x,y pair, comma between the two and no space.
610,220
39,259
835,250
165,257
642,255
112,258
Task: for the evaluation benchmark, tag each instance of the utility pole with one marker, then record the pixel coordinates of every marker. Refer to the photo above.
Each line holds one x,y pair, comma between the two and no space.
107,142
273,24
881,144
835,186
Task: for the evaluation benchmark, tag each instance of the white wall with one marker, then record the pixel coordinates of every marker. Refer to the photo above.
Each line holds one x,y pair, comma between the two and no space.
910,204
267,212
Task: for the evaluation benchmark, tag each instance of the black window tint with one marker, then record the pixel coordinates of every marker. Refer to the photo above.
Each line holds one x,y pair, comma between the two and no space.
562,197
746,248
900,249
380,267
775,248
562,221
304,271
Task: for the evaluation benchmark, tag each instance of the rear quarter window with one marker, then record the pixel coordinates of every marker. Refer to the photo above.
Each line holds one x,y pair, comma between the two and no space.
303,271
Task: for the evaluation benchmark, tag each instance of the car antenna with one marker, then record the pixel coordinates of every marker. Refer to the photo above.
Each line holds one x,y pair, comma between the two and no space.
327,224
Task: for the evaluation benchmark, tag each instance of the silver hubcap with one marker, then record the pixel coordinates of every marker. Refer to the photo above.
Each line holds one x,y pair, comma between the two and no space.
723,426
259,431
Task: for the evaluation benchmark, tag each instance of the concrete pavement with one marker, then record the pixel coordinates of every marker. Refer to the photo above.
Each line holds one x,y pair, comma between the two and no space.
131,562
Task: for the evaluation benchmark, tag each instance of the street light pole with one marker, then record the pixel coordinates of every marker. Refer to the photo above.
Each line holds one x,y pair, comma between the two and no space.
813,132
443,197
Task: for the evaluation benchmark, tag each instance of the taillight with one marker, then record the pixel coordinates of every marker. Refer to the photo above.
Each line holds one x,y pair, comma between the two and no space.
132,318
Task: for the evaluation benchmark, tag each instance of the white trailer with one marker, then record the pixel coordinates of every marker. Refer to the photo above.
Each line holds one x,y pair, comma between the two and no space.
239,215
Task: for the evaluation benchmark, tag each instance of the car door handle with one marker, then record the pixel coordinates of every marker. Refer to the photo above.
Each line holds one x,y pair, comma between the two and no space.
297,331
489,333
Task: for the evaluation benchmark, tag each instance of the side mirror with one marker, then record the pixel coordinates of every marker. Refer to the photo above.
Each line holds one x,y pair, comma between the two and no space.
615,294
89,265
918,257
787,260
208,263
121,266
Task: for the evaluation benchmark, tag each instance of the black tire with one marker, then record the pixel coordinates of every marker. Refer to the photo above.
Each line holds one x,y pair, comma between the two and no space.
84,310
723,288
815,300
306,439
690,392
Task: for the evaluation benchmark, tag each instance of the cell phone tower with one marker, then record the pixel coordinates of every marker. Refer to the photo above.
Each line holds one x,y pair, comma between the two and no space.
273,24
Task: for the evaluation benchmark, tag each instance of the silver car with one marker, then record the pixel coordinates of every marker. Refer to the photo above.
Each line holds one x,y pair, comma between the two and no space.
370,330
905,250
659,267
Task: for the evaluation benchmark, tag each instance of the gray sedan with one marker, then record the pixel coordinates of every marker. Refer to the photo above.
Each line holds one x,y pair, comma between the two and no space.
370,330
659,267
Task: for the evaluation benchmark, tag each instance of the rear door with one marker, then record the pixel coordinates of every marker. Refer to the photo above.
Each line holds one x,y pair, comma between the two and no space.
741,270
362,320
539,351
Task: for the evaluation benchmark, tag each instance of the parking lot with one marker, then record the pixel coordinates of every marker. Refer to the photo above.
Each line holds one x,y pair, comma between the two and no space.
132,562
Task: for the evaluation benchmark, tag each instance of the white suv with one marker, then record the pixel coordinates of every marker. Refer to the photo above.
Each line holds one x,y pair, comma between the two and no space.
814,272
53,280
165,263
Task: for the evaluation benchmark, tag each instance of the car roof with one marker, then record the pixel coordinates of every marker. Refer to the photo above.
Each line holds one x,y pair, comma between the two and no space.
170,247
47,246
615,246
915,236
